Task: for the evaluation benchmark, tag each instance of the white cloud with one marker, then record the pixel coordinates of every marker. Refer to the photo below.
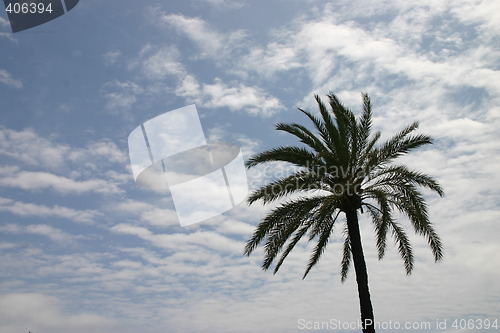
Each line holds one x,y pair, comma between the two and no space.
237,97
9,36
326,45
197,30
121,96
103,150
132,206
463,128
159,63
39,312
7,79
189,87
29,209
338,53
119,100
177,241
34,150
7,246
85,166
149,214
112,57
158,217
36,181
163,63
272,58
484,13
54,234
224,3
234,227
212,43
28,147
4,22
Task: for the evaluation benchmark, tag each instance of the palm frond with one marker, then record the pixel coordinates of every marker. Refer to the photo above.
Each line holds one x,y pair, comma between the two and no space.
279,225
364,126
334,138
341,150
365,122
321,128
408,200
303,134
331,205
366,157
294,155
318,216
296,238
404,246
369,146
346,121
321,245
300,181
381,219
322,227
347,129
400,174
413,204
346,257
398,145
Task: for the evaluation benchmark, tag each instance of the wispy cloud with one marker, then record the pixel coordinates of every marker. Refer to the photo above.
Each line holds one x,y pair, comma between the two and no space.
4,22
161,69
43,312
7,79
112,57
121,96
237,97
172,242
54,234
32,149
272,58
29,210
37,181
7,245
8,35
158,63
483,13
232,4
28,147
103,151
211,43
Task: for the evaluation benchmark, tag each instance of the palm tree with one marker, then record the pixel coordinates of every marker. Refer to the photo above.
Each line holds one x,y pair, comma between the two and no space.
342,169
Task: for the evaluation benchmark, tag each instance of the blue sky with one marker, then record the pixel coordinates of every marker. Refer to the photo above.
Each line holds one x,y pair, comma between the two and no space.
83,249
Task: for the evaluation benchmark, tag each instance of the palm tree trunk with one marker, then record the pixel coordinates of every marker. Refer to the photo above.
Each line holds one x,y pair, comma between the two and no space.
361,273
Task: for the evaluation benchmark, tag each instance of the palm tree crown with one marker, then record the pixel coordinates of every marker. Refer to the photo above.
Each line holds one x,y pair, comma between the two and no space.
343,168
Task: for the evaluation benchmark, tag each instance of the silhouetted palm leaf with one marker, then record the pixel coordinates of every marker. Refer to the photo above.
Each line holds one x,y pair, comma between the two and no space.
342,168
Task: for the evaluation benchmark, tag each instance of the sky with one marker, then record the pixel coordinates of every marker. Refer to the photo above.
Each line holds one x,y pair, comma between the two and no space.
84,249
